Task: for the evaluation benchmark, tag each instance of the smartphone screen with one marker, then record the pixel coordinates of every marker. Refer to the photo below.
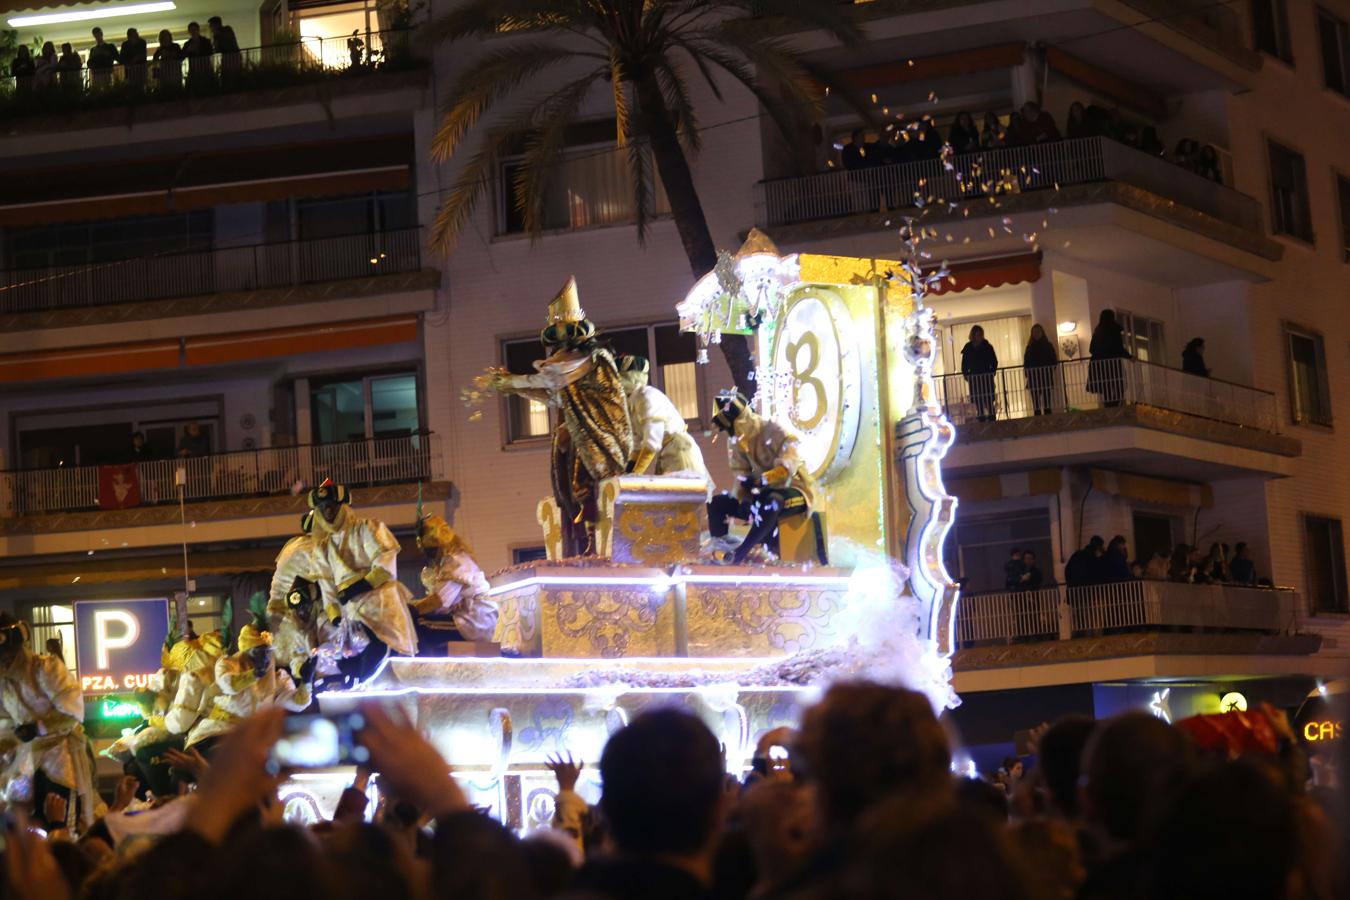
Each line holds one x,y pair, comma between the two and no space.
319,742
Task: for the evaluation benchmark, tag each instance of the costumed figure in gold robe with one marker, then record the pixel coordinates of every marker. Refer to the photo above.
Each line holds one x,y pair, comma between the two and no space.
457,605
662,444
771,482
595,438
43,749
356,561
246,682
308,636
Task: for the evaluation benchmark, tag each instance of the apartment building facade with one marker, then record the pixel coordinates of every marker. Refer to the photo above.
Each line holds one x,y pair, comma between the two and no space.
253,259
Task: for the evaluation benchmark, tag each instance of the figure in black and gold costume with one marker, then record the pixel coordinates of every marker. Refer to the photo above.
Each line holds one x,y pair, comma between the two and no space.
43,749
458,605
771,482
595,438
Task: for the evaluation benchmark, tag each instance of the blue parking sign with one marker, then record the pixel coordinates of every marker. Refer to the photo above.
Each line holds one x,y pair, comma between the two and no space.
118,643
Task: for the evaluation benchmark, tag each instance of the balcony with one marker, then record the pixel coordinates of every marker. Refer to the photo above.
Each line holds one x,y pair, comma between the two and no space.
278,471
228,269
1161,421
1035,178
271,67
1134,630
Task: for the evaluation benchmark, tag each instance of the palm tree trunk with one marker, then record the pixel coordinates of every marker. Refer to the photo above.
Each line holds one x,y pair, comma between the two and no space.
687,210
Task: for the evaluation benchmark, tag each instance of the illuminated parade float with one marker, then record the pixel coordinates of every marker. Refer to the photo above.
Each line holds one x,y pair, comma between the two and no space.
857,587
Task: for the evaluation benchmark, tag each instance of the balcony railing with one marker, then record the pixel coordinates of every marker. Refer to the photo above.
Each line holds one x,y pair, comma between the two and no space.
1063,613
1014,169
1079,384
252,68
222,476
172,275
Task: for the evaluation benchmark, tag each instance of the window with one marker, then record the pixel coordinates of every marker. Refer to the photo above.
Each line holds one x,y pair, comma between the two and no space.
1270,28
113,239
1008,334
527,554
984,543
591,186
1325,548
1334,38
526,419
1309,390
355,408
1289,213
1143,337
370,213
208,614
1343,195
54,621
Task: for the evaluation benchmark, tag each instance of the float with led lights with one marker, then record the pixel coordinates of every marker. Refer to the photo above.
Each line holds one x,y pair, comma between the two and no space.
846,349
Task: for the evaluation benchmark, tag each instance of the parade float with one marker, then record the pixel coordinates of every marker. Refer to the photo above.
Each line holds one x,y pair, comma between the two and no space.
582,644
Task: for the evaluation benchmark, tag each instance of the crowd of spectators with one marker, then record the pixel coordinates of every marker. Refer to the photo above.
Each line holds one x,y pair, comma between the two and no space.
862,802
1100,562
1025,127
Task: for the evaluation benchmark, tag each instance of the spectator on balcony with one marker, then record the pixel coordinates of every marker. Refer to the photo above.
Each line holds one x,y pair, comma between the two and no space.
24,70
1033,125
1076,125
197,51
1207,164
102,58
1032,576
1150,143
1241,569
993,136
963,135
926,142
1085,565
195,441
138,452
133,57
1216,564
1186,153
979,364
1193,358
46,66
69,66
854,155
227,45
1038,362
1106,371
1115,562
168,61
1157,567
1013,570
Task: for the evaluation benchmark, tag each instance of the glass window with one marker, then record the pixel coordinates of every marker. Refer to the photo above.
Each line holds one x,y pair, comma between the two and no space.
1289,212
525,419
361,407
1334,38
1343,196
676,352
369,213
105,241
1270,28
1325,546
1143,337
592,186
1310,393
984,545
54,622
208,614
527,554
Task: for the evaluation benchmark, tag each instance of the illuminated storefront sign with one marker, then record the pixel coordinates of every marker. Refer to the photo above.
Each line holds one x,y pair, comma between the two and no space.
118,643
1321,730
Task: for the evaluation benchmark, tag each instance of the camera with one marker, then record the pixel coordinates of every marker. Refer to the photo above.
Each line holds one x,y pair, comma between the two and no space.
319,742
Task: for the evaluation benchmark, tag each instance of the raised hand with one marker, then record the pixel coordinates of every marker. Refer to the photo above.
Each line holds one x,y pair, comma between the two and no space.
408,763
566,771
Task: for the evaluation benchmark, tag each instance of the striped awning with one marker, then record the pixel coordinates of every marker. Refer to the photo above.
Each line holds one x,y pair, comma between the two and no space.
986,273
1160,491
977,488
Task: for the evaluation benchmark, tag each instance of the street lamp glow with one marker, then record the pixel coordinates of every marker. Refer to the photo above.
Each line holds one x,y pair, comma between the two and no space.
84,15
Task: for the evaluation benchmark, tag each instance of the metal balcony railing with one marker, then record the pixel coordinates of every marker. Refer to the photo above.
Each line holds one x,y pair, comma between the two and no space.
1062,613
251,68
172,275
1079,384
1008,170
222,476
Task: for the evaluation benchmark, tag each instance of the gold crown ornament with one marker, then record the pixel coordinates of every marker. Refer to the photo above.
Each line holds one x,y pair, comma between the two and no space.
565,308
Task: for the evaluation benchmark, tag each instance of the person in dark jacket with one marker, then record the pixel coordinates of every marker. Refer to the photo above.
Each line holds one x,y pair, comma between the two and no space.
979,362
1076,126
1038,362
23,69
133,57
1013,570
1242,569
197,51
1084,566
964,136
1106,371
102,58
1032,577
1116,562
1193,358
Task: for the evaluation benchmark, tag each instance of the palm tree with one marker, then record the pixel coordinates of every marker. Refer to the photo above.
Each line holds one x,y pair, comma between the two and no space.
643,52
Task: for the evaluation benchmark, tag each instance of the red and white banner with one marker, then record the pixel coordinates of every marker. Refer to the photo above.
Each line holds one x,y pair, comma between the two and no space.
119,487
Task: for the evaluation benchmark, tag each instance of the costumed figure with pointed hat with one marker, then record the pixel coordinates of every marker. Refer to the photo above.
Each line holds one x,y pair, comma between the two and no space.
356,564
304,615
661,441
457,606
43,748
595,438
771,482
245,682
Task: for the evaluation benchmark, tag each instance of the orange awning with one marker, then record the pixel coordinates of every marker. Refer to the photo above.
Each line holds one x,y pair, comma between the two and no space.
110,359
250,345
1106,83
984,273
926,68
